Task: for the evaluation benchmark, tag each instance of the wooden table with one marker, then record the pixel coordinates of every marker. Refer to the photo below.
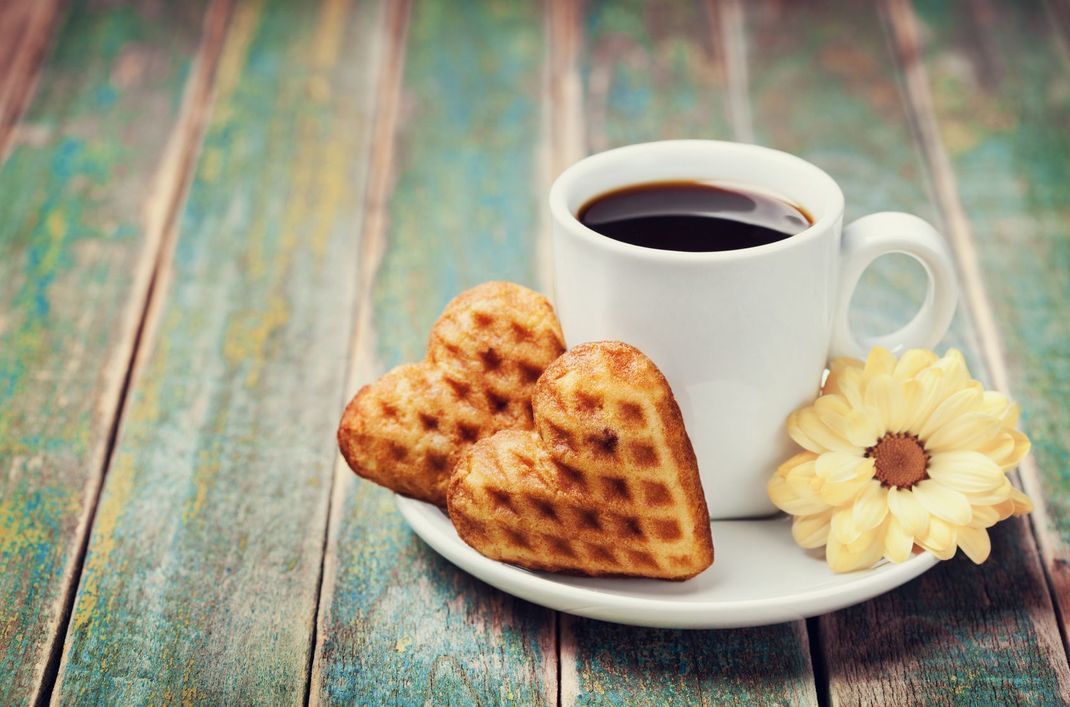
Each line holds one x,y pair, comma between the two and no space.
217,219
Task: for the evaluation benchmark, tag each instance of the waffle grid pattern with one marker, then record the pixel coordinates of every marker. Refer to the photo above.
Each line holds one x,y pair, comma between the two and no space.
485,353
597,489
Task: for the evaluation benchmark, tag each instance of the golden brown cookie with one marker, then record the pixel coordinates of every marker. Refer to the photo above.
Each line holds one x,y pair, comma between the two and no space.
606,485
407,430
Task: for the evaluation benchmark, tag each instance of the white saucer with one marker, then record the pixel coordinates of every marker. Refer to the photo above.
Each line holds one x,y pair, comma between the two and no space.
760,576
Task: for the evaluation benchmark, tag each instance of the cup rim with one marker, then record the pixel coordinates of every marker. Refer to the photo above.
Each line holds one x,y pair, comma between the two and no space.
565,182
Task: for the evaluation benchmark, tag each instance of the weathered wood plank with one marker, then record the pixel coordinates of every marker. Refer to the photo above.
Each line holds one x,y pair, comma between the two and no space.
84,199
825,85
655,70
620,665
202,573
399,624
1000,111
961,633
26,29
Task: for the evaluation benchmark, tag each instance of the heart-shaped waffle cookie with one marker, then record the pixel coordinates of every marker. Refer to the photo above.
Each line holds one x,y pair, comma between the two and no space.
407,430
606,485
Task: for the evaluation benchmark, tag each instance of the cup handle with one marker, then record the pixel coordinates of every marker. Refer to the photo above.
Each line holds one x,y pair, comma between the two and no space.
875,235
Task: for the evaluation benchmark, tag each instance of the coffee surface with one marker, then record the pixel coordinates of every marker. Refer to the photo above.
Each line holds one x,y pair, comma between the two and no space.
692,217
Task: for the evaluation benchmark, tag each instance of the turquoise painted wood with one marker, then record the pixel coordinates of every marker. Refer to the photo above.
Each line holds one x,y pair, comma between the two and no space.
609,664
76,249
360,165
202,574
652,71
400,624
655,70
1000,81
825,85
464,207
961,633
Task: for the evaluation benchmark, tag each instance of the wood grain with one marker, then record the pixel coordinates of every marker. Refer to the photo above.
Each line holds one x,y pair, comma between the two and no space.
399,624
26,30
825,85
994,88
656,70
653,71
961,633
84,195
202,572
610,664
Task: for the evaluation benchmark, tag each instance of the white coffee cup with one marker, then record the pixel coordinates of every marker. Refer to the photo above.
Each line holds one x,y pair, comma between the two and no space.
742,336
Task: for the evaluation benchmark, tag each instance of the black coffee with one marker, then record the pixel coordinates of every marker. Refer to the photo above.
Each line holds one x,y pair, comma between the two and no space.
692,217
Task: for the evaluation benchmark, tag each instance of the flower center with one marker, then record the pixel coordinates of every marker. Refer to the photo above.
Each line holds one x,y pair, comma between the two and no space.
900,460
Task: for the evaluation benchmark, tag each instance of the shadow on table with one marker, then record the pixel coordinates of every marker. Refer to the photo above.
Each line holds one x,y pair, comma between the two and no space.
607,662
629,665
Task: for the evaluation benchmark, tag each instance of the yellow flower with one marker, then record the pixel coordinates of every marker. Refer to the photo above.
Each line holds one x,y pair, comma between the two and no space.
898,454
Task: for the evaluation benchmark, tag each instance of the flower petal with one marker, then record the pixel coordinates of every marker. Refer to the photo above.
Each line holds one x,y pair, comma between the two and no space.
1022,503
1003,510
886,395
862,554
952,408
871,507
794,498
970,436
995,404
841,466
830,408
999,448
914,416
1010,418
1007,449
811,531
943,502
908,511
799,437
953,364
837,556
987,516
842,493
975,543
811,433
880,360
936,384
1021,448
842,529
799,467
782,495
838,368
926,393
898,543
859,426
970,431
990,498
867,550
913,361
850,383
797,475
1005,501
967,471
863,427
940,540
795,461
